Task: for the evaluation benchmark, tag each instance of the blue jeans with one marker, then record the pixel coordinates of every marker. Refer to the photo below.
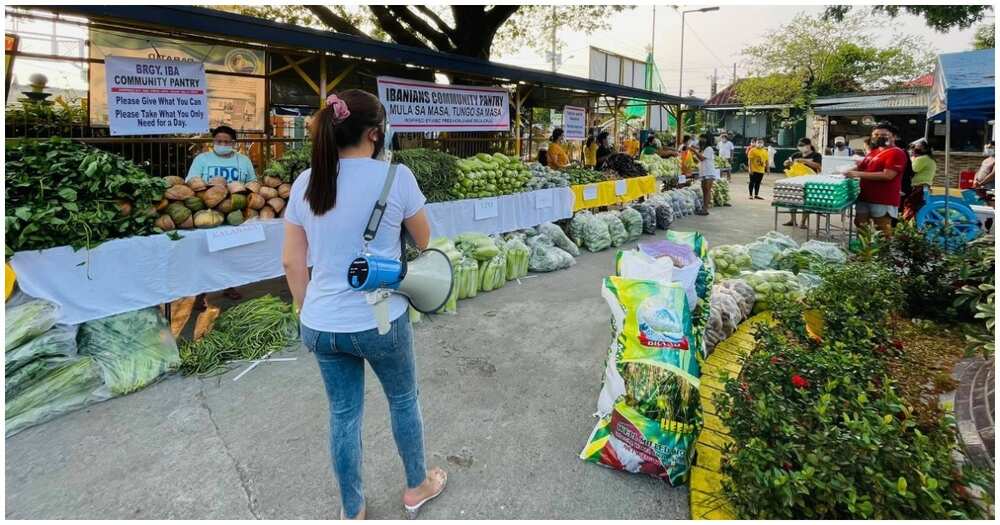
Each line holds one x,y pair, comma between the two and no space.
341,358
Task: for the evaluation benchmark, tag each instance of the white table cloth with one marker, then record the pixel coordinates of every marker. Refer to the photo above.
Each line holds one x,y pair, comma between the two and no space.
514,212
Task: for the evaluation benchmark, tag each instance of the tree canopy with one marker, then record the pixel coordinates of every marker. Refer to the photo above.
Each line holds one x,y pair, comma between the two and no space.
984,37
940,17
815,56
471,30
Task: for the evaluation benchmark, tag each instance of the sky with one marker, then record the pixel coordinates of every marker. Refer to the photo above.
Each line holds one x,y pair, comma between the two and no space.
712,41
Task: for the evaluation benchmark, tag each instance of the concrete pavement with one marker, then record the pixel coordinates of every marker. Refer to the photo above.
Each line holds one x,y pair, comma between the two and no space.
508,389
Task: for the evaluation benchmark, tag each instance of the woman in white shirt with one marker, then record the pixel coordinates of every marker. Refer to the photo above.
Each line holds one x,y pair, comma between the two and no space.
707,172
327,212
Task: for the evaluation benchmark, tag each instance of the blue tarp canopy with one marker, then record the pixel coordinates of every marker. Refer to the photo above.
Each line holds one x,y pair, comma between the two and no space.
964,86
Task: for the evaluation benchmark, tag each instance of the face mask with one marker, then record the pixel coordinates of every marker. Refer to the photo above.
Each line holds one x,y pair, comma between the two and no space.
989,152
840,145
222,150
880,142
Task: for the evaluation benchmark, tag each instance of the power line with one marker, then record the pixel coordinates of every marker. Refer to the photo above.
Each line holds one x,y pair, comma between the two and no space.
702,42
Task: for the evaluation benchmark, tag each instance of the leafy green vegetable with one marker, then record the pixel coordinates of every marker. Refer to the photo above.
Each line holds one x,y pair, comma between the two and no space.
55,386
250,330
292,163
132,349
436,172
27,321
61,193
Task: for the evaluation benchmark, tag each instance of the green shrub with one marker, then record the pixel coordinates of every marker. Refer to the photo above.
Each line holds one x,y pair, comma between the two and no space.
924,270
818,429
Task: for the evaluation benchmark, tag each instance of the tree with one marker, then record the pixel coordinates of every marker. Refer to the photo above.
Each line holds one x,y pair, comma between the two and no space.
815,55
940,17
984,37
469,30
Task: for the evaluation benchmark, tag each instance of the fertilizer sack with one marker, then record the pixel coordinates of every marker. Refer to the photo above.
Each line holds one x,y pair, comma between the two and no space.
649,406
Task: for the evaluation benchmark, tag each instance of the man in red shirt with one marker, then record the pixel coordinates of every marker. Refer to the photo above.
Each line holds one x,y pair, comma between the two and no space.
881,176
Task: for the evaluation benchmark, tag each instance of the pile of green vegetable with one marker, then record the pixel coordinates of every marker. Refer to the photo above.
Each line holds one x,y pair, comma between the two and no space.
583,176
63,193
132,349
720,193
247,331
291,164
730,259
625,165
486,175
773,288
436,172
661,168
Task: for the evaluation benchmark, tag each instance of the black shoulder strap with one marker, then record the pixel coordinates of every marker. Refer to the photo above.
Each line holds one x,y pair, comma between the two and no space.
379,210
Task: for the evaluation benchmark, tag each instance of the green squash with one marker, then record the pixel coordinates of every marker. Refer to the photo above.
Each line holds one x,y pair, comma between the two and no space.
239,201
178,212
194,204
235,218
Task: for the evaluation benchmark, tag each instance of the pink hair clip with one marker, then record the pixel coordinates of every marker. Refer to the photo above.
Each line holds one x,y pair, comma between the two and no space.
340,109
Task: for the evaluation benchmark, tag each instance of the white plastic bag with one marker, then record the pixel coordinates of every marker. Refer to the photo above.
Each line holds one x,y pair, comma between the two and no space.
633,264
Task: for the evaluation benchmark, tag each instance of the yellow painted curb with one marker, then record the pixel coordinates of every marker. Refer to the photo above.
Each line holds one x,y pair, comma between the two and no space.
707,500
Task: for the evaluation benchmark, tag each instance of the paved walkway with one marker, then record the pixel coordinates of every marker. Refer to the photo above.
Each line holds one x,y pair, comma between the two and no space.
975,408
508,389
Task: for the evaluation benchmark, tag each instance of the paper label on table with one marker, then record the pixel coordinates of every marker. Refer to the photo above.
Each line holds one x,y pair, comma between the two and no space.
589,192
543,200
225,238
486,208
621,187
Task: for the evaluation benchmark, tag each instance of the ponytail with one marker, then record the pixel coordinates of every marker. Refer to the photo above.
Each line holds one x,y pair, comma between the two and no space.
340,123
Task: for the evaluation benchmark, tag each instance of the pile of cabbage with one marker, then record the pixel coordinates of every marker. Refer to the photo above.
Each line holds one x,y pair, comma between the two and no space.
684,201
772,287
544,177
730,260
666,169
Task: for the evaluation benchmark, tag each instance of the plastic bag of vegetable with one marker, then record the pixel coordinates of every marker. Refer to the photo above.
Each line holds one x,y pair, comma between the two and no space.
448,248
546,258
649,406
59,341
615,227
731,259
779,239
596,233
577,225
50,387
467,274
27,321
132,349
558,237
493,273
648,214
665,212
633,222
634,264
477,245
725,316
772,287
808,281
743,293
830,252
796,260
686,264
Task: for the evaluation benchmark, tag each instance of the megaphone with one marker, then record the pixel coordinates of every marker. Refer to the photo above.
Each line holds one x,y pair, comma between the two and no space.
426,281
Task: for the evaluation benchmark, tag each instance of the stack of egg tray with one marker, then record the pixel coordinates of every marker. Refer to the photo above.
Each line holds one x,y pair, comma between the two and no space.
791,191
829,192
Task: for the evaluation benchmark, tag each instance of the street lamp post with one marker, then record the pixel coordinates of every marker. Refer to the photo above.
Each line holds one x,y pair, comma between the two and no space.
680,80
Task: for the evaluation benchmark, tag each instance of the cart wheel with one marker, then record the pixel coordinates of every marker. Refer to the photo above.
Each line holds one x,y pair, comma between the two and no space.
961,226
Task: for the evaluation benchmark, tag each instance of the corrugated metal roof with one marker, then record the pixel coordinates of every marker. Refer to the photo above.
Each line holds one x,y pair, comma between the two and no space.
913,102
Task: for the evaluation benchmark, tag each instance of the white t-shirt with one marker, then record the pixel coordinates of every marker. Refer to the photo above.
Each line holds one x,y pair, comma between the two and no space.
706,168
335,239
770,156
726,149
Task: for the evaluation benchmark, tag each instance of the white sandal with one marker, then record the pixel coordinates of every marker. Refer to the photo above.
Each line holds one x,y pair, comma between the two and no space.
411,511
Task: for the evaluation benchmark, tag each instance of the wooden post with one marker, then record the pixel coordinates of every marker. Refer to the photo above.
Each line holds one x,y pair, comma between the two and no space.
517,122
322,79
614,117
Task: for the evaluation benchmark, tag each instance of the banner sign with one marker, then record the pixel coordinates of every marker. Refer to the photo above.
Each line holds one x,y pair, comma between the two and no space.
154,97
574,123
424,106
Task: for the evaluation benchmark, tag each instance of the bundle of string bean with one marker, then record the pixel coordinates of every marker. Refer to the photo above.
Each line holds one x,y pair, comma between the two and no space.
248,331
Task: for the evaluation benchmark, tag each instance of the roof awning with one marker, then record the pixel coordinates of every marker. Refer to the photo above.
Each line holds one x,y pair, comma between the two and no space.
212,22
964,85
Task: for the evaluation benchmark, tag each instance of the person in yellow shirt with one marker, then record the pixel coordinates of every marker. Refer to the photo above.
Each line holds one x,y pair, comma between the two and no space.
757,160
632,145
558,158
590,152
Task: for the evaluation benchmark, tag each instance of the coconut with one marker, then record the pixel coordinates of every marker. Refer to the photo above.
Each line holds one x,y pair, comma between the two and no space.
267,212
217,181
284,190
255,201
214,195
253,186
250,213
268,192
162,205
197,184
272,182
179,193
165,223
226,205
236,187
277,204
188,224
173,181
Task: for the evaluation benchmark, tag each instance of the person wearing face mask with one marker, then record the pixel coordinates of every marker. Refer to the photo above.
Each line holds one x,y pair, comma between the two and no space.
707,171
808,156
924,168
985,175
757,164
222,160
726,152
840,148
328,210
881,175
558,157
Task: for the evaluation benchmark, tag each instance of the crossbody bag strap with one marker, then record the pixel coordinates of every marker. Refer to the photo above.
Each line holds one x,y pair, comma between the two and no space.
375,219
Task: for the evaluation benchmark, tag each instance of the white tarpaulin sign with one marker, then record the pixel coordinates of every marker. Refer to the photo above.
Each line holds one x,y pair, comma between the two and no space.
574,123
155,97
423,106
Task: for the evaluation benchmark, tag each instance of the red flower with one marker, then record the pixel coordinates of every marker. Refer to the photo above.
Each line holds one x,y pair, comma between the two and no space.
799,381
879,349
898,344
787,466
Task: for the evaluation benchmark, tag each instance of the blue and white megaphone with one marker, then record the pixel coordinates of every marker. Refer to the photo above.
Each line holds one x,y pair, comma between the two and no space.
425,281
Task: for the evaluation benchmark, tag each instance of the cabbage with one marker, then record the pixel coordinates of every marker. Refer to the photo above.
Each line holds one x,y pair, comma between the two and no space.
648,214
616,229
772,287
730,259
558,237
633,222
596,235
